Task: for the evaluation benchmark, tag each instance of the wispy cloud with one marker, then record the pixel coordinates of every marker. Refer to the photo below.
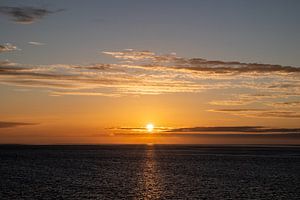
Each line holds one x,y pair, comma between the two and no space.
262,113
146,73
236,129
287,104
4,124
36,43
8,47
245,99
199,64
84,94
25,15
152,74
130,54
111,78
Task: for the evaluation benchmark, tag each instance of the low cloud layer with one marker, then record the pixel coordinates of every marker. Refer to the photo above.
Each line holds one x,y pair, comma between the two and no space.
212,129
268,136
146,73
236,129
25,15
239,132
4,124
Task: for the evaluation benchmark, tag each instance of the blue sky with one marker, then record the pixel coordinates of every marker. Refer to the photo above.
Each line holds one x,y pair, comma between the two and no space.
247,31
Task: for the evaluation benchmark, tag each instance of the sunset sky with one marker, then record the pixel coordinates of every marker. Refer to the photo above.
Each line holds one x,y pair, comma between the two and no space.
94,72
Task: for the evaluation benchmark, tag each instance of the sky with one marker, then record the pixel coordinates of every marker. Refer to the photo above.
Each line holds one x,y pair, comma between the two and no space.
202,72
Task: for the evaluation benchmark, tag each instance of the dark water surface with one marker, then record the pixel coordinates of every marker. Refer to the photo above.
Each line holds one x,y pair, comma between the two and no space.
149,172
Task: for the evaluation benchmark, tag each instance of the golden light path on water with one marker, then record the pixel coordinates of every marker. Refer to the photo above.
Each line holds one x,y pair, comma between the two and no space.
150,182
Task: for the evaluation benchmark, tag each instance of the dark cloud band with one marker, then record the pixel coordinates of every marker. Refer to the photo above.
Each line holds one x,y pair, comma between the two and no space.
237,129
4,124
25,15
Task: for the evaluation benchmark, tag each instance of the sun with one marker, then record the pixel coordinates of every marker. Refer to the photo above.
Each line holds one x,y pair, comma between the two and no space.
150,127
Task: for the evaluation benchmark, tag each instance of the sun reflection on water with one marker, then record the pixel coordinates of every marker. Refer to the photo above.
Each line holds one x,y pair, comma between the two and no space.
150,179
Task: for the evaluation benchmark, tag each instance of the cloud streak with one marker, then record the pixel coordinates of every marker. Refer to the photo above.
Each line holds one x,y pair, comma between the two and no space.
26,15
238,132
213,129
287,104
200,64
146,73
236,129
260,113
7,47
36,43
289,136
164,74
4,124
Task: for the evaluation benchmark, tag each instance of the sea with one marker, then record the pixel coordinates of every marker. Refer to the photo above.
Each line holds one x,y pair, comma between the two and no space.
149,172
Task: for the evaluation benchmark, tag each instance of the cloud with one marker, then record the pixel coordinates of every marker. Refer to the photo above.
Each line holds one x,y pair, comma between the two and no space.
200,64
26,15
13,124
238,132
221,137
260,113
139,129
84,94
130,54
121,79
237,67
36,43
146,73
241,99
244,99
164,74
288,104
237,129
212,129
7,47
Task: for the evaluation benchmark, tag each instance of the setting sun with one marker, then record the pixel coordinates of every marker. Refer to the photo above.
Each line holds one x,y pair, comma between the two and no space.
150,127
